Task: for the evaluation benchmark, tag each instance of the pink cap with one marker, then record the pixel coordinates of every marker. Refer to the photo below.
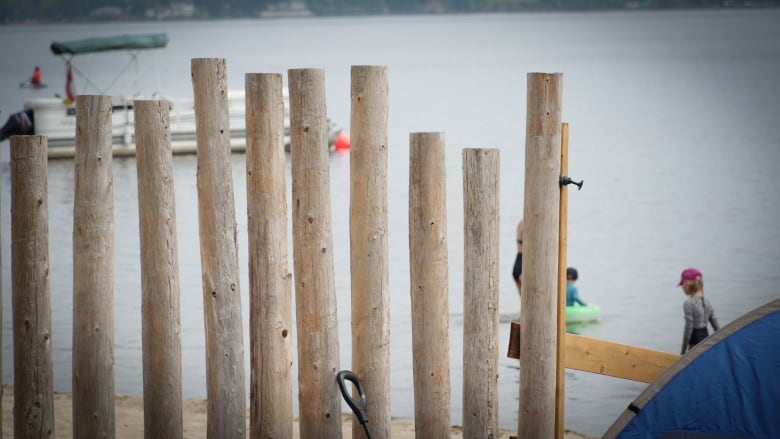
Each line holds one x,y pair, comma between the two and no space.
689,274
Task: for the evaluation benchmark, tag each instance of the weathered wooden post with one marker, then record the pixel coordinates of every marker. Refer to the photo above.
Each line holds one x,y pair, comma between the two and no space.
160,295
319,400
31,302
480,292
93,271
429,285
270,297
369,246
538,319
219,253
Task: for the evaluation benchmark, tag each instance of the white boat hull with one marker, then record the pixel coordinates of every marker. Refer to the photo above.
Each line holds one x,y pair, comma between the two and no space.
57,121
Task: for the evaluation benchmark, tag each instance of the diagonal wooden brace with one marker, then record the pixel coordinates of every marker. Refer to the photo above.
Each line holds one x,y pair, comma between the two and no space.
605,357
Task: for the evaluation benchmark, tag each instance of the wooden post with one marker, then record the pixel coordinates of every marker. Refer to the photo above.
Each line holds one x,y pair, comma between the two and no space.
319,400
429,284
33,371
160,295
93,271
219,253
270,297
480,292
536,418
368,245
560,387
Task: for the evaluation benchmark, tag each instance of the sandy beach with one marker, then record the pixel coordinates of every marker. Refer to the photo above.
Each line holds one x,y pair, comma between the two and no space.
130,419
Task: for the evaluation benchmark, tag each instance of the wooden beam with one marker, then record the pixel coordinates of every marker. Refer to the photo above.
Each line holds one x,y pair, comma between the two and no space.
563,234
605,357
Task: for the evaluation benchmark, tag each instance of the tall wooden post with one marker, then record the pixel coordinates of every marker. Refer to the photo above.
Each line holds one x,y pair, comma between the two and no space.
93,272
219,253
319,400
160,295
429,285
539,301
270,297
560,387
480,292
31,302
368,245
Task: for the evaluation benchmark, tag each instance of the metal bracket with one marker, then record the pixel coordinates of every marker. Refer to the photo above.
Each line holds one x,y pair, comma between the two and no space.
565,180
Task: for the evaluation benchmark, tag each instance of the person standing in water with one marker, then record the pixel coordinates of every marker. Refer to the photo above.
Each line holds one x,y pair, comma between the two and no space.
517,270
698,310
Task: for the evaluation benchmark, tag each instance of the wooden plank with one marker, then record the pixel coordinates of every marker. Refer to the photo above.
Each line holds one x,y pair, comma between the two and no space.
615,359
563,233
605,357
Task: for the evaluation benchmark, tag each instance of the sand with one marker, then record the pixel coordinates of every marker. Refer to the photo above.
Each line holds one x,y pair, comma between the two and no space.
130,419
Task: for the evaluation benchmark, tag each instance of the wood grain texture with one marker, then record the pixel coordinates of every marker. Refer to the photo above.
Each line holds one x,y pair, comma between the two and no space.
429,284
480,292
270,296
536,417
319,400
93,271
160,293
369,245
33,414
605,357
219,253
563,237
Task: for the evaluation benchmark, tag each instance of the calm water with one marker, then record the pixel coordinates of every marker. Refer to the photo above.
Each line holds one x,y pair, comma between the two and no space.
673,119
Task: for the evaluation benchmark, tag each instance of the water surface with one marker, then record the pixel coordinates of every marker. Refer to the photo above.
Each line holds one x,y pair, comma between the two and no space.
673,119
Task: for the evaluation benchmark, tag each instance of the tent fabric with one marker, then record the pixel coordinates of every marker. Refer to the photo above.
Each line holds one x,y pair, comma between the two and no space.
726,386
103,44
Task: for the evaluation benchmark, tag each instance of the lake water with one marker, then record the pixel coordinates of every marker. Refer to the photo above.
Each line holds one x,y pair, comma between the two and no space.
674,129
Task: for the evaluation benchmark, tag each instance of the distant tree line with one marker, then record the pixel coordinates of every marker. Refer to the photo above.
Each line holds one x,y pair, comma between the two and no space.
21,11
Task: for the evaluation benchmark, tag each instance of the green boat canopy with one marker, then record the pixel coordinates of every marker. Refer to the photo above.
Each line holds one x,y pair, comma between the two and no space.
103,44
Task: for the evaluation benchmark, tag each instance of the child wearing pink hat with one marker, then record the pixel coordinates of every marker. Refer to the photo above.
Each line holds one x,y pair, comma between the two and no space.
697,309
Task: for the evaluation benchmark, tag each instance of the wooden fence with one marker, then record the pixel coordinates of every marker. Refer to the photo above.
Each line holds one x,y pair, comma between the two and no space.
270,282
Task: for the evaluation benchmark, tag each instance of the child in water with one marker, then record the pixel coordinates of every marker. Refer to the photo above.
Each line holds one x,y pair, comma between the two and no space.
572,296
697,309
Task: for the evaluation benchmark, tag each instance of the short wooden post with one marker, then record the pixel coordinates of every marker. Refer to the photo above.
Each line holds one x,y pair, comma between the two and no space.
160,295
93,271
429,285
540,257
560,387
219,253
270,297
31,303
319,400
480,292
368,245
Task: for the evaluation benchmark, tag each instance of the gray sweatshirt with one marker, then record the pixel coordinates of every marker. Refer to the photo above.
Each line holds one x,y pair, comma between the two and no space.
698,311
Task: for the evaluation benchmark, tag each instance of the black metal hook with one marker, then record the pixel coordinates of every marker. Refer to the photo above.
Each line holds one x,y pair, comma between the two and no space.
565,180
358,407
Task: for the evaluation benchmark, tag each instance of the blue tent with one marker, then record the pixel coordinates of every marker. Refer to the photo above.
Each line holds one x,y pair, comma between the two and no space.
728,386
